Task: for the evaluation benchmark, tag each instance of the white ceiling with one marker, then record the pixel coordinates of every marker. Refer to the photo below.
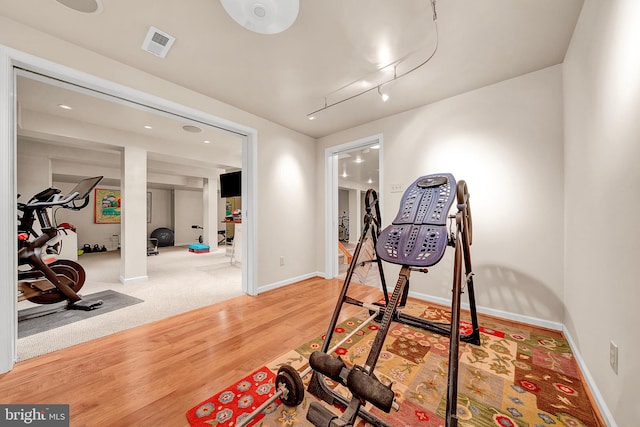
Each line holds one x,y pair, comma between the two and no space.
41,97
94,127
283,77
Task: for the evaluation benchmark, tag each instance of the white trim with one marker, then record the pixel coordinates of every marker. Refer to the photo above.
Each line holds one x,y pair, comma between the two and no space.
595,392
331,197
8,221
10,58
556,326
249,242
331,222
291,281
132,280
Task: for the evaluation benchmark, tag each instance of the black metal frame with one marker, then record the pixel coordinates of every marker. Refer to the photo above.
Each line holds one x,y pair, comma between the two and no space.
324,365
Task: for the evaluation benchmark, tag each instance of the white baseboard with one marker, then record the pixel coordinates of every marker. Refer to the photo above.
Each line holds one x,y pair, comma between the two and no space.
595,392
289,281
556,326
132,280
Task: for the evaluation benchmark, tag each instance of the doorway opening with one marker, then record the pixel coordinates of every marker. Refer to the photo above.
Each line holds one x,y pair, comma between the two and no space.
14,118
351,169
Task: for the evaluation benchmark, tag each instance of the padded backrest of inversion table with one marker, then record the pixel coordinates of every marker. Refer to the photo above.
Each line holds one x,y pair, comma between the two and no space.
417,237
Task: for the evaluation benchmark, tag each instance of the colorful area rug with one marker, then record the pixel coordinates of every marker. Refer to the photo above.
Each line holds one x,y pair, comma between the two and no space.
514,378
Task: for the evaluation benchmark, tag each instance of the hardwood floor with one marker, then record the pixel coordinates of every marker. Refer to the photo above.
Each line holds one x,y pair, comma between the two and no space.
152,374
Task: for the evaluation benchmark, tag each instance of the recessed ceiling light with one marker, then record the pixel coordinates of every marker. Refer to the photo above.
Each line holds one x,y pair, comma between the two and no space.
147,127
207,142
65,107
192,129
358,160
311,117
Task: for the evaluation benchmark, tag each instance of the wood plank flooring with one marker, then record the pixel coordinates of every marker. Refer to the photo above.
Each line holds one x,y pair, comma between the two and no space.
151,375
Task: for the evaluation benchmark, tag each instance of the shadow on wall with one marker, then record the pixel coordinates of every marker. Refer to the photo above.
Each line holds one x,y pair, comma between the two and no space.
509,290
496,287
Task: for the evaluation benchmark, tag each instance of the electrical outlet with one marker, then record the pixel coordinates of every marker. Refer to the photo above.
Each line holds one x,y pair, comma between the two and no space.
613,356
396,188
281,261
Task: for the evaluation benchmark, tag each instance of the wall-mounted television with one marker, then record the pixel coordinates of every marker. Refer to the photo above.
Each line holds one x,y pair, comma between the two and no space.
230,184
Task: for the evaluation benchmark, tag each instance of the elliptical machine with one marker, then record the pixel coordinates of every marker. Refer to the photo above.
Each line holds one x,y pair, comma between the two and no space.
60,280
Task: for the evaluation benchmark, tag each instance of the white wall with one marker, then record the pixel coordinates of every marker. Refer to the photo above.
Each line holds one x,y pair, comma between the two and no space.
602,137
288,214
33,175
505,140
161,209
187,212
88,231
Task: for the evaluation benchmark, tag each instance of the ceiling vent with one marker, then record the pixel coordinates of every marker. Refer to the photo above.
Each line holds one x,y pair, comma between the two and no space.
157,42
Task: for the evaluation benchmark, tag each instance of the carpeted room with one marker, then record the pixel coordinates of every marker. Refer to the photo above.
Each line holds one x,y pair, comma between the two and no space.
572,279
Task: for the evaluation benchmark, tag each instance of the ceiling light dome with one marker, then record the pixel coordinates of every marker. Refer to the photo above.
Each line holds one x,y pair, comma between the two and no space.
84,6
263,16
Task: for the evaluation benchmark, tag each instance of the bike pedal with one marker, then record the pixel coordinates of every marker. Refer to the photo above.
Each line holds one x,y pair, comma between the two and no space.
85,305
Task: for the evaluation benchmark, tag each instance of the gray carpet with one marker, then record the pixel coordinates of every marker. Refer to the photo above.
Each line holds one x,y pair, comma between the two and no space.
50,316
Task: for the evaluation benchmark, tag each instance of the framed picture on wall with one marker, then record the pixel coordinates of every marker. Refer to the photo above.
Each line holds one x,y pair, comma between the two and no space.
107,206
148,207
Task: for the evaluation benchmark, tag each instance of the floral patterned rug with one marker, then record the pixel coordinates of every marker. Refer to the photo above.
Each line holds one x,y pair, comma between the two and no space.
514,378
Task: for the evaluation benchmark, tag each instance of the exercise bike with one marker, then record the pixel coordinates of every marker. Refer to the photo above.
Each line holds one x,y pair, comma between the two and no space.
39,281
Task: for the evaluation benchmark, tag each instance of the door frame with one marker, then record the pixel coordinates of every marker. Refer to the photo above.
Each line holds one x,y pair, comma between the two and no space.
12,58
331,196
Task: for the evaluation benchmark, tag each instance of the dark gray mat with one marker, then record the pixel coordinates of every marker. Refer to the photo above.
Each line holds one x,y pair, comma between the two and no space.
37,320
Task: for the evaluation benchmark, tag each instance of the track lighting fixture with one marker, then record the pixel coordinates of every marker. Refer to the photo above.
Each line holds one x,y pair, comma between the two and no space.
383,95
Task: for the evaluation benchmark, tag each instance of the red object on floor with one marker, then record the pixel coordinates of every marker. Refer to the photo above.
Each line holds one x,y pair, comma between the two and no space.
199,251
240,399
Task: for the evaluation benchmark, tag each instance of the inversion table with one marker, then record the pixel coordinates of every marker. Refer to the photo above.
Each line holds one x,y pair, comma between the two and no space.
416,239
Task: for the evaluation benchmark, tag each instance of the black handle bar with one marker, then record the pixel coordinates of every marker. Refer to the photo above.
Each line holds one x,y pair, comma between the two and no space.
81,191
56,200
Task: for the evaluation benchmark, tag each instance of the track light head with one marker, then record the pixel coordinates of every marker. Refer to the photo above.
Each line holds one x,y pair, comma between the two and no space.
384,96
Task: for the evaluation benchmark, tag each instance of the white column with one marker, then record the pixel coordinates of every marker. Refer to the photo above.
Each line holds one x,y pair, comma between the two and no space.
210,211
133,210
